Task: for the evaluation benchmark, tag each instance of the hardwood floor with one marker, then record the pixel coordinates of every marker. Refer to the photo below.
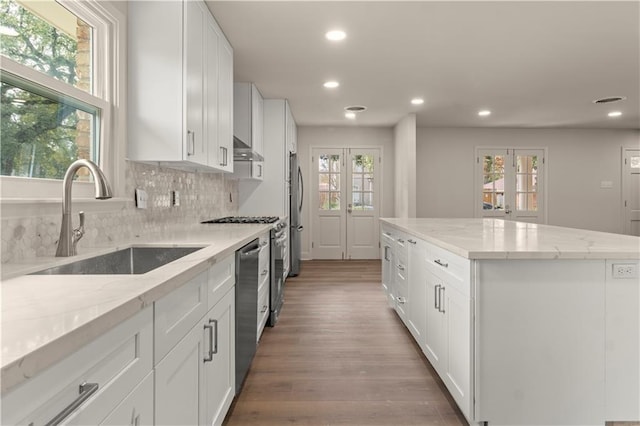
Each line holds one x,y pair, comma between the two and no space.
340,356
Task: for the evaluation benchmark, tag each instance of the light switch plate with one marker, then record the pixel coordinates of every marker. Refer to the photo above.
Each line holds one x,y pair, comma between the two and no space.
141,198
175,198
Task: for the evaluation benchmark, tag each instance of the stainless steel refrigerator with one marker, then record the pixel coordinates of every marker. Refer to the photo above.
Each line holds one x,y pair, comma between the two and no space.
296,196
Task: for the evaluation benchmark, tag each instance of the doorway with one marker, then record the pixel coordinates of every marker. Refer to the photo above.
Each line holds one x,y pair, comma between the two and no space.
510,184
631,191
345,203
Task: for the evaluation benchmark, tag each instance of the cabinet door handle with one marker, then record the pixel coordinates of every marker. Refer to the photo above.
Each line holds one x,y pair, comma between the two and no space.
85,391
209,356
440,307
411,241
264,272
264,309
400,267
436,293
191,142
386,253
259,170
223,151
441,263
215,345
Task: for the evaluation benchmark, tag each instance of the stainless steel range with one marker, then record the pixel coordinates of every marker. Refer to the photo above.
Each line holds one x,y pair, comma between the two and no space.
278,247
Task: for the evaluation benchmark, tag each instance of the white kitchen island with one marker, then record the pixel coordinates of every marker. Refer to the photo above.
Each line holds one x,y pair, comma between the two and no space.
526,324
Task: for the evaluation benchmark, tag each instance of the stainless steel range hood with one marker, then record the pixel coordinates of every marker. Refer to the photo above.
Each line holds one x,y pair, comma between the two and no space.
243,152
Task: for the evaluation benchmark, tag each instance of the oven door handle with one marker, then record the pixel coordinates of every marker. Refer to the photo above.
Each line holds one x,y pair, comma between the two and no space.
281,240
279,234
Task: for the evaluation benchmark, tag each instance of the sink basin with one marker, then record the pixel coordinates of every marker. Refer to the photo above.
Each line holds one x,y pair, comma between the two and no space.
133,260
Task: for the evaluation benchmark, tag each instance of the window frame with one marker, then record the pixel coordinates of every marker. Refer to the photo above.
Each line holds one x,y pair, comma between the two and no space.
108,79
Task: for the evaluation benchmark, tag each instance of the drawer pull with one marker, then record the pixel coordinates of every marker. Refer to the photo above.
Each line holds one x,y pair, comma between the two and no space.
264,272
401,300
441,263
400,240
412,241
264,309
401,267
86,390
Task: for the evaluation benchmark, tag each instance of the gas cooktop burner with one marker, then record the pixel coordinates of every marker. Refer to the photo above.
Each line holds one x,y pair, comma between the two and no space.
244,219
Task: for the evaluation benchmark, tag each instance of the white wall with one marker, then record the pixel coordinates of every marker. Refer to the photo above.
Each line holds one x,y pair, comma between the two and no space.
405,173
340,137
578,161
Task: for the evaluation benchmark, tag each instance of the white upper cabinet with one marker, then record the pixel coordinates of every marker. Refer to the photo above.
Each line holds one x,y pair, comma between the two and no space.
248,110
180,87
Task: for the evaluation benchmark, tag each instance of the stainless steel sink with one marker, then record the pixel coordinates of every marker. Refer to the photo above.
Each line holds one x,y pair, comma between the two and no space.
133,260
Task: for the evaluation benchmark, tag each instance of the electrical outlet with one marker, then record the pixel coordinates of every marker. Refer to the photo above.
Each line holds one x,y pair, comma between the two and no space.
141,198
175,198
625,270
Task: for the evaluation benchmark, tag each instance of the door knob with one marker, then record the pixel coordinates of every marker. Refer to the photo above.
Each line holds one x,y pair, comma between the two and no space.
349,208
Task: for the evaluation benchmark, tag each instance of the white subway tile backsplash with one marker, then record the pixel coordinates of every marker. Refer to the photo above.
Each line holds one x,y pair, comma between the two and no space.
202,196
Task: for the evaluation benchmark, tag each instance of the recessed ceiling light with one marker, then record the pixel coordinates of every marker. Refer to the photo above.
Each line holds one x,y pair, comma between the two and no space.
336,35
331,84
484,113
350,115
417,101
615,114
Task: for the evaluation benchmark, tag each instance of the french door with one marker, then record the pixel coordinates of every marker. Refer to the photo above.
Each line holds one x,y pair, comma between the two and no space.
631,192
345,203
510,184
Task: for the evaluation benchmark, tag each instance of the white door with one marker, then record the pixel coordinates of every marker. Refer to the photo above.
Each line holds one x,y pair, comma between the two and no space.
345,203
510,184
631,191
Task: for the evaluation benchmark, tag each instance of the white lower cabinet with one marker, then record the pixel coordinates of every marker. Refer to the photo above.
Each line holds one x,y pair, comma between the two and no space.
96,378
430,290
195,381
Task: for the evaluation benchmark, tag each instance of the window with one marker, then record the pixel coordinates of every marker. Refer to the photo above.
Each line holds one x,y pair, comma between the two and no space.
57,87
509,184
329,181
362,179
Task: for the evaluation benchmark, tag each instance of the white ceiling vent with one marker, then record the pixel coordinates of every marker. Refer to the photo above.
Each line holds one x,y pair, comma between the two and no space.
355,108
609,100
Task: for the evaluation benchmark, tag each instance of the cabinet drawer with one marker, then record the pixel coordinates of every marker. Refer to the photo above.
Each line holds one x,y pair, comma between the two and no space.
263,308
117,362
177,312
222,276
454,269
137,407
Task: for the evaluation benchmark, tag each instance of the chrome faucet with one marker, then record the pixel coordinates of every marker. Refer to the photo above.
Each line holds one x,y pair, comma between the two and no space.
69,237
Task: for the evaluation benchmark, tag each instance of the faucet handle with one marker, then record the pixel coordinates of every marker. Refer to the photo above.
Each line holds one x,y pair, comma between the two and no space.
78,232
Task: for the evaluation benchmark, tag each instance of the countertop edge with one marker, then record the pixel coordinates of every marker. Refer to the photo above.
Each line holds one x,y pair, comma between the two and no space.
522,254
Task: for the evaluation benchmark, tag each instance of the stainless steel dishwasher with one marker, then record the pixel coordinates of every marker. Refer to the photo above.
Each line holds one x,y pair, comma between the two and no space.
246,308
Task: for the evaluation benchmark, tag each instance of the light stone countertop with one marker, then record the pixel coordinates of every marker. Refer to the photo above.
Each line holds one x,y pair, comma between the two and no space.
503,239
47,317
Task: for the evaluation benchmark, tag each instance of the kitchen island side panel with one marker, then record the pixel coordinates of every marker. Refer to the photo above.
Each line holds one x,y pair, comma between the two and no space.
540,334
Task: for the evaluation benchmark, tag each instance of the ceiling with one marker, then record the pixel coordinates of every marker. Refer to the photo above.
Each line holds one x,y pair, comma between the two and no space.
533,64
